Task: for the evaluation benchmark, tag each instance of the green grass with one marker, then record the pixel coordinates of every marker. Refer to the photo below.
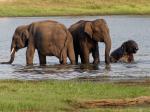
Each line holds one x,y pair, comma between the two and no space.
57,96
72,7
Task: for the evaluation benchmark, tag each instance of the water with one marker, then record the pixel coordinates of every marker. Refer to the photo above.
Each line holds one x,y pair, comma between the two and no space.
122,28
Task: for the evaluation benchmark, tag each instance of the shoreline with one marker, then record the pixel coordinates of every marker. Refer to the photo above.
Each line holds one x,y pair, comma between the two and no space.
106,15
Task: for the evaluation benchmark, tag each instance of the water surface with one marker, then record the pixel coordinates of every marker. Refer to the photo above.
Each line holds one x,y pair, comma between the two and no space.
122,28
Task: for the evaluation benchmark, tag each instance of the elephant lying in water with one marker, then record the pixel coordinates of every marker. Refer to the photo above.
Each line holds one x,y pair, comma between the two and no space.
50,38
125,52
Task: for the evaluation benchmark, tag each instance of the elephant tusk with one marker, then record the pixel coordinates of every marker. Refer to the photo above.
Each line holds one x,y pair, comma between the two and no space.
12,51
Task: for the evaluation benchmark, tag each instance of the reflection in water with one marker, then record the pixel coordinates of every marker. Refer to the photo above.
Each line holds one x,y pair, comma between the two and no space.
53,71
81,72
122,28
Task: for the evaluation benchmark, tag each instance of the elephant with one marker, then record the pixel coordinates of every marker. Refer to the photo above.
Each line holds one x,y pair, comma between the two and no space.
125,52
49,38
86,35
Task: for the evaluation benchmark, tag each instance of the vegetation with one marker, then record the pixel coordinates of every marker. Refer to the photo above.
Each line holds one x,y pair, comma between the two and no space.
59,96
72,7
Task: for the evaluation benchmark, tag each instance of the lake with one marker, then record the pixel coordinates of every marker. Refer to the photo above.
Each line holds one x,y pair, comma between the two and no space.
122,28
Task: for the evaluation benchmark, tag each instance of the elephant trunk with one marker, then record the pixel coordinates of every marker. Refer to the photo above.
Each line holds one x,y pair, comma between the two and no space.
12,55
107,50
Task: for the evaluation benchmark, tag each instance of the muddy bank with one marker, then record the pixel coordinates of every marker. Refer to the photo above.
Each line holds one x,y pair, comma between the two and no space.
139,101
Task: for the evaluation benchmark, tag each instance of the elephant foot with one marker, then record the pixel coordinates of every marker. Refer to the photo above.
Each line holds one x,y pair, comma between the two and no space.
62,62
108,67
42,64
73,62
96,62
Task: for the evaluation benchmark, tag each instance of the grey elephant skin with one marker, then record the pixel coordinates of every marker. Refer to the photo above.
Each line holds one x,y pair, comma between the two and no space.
50,38
86,35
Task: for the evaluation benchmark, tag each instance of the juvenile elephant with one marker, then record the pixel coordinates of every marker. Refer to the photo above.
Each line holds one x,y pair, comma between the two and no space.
125,52
86,35
50,38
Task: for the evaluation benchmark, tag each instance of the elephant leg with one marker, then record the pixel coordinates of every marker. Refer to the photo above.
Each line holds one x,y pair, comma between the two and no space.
76,57
71,53
64,61
42,59
95,54
63,57
29,55
85,55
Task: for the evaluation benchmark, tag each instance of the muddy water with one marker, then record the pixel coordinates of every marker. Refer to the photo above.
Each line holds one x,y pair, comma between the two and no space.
122,28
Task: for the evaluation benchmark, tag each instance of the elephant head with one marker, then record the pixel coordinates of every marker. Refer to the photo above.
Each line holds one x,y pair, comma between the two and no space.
130,47
99,31
19,40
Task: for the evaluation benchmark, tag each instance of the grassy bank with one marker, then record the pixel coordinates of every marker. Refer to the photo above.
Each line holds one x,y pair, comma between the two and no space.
57,96
72,7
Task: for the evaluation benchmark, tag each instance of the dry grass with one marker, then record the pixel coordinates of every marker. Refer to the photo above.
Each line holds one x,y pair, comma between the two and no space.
139,101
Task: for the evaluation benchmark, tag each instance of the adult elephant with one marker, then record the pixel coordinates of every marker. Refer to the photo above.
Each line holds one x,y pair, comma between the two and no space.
50,38
86,35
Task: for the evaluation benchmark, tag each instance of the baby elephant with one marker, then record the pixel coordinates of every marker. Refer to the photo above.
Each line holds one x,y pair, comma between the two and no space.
125,52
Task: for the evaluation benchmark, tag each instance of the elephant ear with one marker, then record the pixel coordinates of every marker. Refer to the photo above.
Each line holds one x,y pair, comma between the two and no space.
24,36
88,29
